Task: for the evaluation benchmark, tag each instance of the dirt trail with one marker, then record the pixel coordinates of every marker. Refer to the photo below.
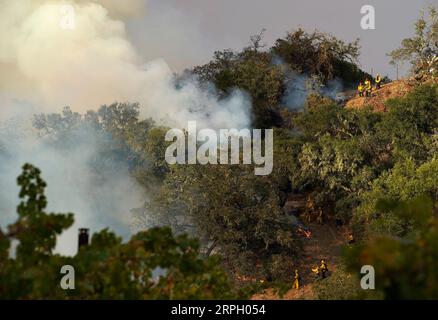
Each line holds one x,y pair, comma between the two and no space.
325,243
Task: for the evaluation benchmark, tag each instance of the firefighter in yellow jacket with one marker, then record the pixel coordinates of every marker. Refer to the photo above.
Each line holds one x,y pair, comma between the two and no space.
297,279
360,89
323,269
315,270
368,88
378,81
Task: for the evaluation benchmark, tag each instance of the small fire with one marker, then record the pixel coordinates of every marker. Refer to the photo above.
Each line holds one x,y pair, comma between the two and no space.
305,233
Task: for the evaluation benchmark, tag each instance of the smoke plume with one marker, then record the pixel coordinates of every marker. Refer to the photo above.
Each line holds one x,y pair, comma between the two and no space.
81,57
300,86
78,53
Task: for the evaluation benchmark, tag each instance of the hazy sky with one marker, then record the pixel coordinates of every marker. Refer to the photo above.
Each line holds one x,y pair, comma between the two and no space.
187,32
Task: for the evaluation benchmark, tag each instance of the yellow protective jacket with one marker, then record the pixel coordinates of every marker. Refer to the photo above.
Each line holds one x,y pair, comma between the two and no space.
367,85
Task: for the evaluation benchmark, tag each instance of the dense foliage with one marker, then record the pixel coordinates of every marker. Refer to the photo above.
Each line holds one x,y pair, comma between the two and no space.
421,50
266,73
152,265
405,266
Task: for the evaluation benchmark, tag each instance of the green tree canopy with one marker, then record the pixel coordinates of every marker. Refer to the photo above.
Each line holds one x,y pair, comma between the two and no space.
421,50
153,264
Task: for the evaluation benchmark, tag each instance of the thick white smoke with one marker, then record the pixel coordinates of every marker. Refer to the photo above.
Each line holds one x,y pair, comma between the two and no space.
80,56
50,59
300,86
98,198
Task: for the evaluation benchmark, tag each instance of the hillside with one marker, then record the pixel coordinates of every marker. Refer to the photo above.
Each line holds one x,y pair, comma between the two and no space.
325,243
390,90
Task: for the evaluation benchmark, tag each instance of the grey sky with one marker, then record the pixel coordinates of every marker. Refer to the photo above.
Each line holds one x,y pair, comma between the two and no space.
186,33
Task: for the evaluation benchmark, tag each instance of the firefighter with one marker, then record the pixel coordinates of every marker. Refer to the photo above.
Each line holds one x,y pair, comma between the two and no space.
368,88
350,238
323,269
378,81
360,89
297,279
320,216
316,271
309,208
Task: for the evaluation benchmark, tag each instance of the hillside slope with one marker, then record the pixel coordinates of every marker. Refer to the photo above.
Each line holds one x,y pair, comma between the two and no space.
390,90
325,243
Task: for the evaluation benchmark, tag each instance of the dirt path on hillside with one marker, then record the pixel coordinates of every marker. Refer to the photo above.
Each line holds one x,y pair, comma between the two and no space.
325,243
